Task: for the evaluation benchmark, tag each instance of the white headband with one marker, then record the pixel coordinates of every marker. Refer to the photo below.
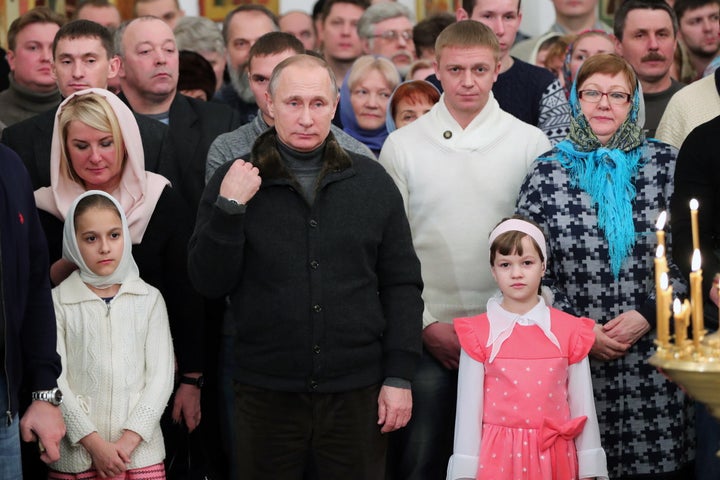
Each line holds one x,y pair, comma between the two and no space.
517,225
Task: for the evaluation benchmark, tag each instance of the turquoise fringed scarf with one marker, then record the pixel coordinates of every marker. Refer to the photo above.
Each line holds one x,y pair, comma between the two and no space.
606,173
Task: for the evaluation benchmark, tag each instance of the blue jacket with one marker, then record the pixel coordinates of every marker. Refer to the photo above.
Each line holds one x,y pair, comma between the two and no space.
29,331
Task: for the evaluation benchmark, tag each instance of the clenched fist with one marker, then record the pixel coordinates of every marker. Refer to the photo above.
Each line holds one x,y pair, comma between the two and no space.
241,181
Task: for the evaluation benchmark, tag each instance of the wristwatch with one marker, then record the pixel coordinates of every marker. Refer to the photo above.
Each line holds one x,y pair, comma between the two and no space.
198,382
54,396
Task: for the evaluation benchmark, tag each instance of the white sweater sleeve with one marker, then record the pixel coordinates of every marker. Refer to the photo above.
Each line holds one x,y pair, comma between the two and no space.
159,366
468,419
75,412
591,456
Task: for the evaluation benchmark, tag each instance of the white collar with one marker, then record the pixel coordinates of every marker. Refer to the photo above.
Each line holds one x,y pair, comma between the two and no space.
503,322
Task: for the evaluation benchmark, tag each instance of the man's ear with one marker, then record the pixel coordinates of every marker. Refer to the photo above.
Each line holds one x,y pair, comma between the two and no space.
10,57
270,104
113,66
461,14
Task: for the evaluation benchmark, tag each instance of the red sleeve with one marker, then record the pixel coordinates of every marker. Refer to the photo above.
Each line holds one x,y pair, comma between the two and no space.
473,333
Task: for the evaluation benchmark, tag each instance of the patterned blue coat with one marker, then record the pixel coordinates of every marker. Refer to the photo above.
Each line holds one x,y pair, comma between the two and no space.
645,420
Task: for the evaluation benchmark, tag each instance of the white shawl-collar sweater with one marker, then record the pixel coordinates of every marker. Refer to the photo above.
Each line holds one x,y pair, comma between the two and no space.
457,184
117,368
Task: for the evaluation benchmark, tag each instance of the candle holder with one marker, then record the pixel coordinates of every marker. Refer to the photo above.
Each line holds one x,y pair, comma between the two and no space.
694,364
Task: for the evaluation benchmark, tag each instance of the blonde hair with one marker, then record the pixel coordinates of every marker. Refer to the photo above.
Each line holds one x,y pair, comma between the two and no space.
467,34
95,112
367,63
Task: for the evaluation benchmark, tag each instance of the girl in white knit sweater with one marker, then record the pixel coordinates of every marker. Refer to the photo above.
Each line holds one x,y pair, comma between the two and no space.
116,350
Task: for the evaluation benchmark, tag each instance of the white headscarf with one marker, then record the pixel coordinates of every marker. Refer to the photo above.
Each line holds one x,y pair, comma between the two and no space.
126,269
139,190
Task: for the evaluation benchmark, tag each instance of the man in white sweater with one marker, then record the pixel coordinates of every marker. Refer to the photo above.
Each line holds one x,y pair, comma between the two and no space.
459,169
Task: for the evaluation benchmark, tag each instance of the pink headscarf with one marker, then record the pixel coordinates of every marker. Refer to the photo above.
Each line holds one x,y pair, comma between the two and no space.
138,191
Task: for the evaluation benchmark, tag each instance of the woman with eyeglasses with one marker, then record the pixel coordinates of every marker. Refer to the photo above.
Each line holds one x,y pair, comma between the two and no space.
597,196
364,98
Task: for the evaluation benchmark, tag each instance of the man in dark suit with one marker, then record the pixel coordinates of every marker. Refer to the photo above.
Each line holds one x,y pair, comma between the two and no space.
82,58
149,76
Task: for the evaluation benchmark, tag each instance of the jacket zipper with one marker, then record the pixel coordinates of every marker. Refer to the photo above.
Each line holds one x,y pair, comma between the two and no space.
8,413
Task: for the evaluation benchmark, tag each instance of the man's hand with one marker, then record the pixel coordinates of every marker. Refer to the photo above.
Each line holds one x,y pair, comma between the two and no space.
628,327
394,408
441,341
187,405
605,348
60,270
241,181
44,422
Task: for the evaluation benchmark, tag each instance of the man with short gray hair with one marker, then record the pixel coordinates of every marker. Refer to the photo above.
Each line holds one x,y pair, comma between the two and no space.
202,35
311,245
387,29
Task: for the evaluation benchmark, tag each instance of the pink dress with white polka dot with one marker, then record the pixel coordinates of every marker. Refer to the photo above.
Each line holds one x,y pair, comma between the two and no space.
527,429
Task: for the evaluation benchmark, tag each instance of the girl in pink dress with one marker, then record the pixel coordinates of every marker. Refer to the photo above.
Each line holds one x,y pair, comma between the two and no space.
525,407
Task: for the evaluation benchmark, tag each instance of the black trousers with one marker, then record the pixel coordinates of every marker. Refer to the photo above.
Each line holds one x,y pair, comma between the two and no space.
283,435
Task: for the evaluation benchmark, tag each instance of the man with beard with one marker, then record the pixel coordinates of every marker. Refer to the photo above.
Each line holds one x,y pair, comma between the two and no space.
386,29
646,34
241,29
699,34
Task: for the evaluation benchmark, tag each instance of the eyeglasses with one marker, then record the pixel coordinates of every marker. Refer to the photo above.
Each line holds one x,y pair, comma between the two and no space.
394,35
615,98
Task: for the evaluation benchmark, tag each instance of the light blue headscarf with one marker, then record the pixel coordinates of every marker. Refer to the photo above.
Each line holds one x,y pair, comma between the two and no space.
606,173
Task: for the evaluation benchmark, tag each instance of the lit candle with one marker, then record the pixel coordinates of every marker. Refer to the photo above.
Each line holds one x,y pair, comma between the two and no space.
694,223
662,302
696,297
660,225
681,313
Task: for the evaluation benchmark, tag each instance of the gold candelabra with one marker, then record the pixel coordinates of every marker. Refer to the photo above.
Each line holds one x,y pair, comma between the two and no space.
694,364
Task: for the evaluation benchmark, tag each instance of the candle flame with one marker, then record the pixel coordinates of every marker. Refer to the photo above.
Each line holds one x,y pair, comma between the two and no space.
694,204
664,282
660,251
696,261
660,224
677,307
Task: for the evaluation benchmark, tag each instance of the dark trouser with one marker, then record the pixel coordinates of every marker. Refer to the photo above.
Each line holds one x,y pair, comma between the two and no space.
707,464
421,450
279,434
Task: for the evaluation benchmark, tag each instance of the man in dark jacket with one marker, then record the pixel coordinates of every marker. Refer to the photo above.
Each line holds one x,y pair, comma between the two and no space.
27,324
312,246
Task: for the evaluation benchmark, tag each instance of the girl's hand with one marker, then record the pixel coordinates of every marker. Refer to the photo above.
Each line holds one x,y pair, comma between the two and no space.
105,457
127,444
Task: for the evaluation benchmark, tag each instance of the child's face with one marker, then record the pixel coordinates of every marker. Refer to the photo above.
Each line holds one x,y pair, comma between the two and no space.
519,276
99,236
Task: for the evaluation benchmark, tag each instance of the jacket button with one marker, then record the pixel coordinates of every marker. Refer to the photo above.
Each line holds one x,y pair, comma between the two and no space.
313,223
316,349
317,308
314,264
313,384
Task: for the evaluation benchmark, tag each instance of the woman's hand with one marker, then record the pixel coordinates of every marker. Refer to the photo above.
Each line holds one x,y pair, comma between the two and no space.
60,270
628,327
605,348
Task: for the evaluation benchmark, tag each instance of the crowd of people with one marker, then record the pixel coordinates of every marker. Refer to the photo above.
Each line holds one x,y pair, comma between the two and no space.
259,249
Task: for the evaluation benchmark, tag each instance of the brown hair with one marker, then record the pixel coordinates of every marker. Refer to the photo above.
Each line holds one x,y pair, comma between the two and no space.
36,15
94,201
511,242
610,64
